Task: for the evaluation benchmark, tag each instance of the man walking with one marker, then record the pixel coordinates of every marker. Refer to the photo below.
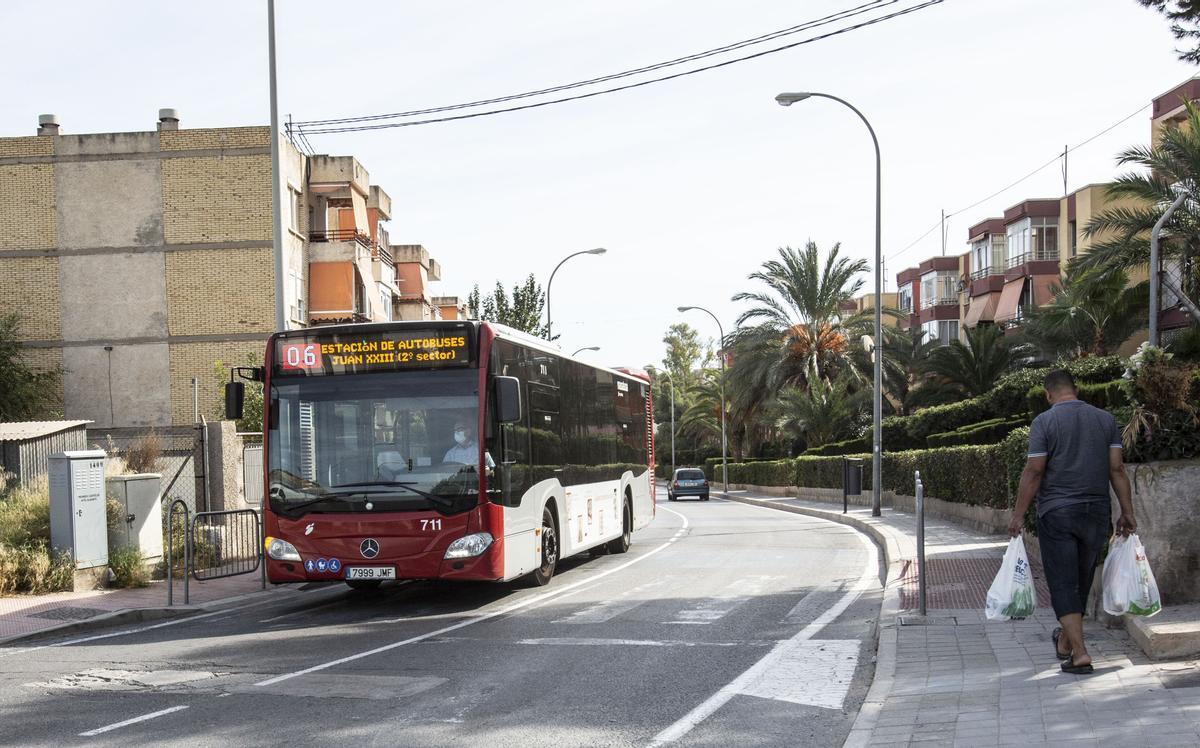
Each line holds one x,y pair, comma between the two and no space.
1074,455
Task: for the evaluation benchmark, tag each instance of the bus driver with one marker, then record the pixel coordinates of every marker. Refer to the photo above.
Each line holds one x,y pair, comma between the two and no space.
466,449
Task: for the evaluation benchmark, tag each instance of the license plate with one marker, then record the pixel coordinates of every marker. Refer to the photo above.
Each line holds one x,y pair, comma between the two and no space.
370,572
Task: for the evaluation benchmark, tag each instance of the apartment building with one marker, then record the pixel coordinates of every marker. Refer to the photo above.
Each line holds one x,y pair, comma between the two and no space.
137,260
930,296
1168,111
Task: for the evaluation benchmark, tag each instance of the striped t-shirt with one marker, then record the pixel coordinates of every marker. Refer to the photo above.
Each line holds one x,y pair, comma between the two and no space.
1075,439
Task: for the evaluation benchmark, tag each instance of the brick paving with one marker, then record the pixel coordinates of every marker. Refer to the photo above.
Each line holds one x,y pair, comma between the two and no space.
955,582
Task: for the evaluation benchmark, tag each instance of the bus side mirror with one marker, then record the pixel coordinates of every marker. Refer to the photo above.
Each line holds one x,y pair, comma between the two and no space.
235,400
508,399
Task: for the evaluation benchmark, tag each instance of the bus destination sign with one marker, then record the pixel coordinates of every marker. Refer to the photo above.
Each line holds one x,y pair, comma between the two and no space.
395,350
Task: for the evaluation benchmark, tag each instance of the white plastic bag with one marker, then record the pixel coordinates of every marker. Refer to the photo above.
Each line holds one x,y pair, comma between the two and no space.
1011,595
1129,585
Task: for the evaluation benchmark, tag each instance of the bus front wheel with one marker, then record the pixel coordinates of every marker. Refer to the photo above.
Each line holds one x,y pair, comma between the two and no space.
541,575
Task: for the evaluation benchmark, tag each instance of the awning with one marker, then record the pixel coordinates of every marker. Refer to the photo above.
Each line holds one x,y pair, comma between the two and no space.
982,309
1045,288
1010,299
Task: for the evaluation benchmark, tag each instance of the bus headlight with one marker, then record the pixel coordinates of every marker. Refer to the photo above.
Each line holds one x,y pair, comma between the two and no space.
281,550
469,546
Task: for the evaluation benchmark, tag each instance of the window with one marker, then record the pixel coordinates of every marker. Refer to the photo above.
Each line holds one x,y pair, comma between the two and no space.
297,310
1074,238
385,300
938,288
905,298
943,331
297,203
1032,239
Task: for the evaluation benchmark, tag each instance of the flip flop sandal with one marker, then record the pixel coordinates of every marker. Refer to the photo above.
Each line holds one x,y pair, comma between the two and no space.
1054,636
1069,666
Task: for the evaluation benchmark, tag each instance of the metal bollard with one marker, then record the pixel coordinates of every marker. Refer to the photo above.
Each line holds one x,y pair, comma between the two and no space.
171,548
920,541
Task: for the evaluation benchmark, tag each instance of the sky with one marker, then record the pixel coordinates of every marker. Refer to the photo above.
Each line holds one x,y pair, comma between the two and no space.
690,184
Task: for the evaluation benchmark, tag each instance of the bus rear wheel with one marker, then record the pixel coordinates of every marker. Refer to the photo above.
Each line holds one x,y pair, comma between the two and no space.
541,575
621,544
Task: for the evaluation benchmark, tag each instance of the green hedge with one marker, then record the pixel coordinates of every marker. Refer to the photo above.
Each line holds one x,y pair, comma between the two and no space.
848,447
1107,395
765,473
986,432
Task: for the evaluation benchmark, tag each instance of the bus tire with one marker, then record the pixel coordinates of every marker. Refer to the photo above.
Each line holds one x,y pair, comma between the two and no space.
363,585
621,544
540,576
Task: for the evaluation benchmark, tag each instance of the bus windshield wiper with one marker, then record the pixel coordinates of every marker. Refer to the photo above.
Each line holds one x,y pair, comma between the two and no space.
310,502
432,497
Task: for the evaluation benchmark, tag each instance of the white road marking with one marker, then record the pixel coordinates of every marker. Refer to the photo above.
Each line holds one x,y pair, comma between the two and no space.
780,661
606,610
134,721
721,604
585,641
790,679
471,621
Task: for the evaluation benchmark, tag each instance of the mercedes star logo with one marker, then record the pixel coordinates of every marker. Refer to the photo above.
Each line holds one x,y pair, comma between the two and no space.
369,548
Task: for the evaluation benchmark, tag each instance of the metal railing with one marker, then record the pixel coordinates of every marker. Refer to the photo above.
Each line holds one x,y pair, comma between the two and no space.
340,235
985,272
939,301
1041,255
215,545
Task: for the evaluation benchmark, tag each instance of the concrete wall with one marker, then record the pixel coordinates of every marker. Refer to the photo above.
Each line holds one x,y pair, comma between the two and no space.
140,384
1166,502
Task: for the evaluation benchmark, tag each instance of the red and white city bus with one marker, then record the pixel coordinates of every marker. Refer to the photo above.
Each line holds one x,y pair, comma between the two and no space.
448,450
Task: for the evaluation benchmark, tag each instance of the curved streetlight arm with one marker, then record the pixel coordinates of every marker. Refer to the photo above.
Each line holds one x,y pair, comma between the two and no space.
720,354
787,99
596,251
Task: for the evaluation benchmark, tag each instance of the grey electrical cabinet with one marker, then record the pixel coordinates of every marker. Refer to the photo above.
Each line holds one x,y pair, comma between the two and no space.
141,512
78,521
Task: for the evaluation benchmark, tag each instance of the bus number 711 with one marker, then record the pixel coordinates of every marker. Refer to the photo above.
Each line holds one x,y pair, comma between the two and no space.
431,524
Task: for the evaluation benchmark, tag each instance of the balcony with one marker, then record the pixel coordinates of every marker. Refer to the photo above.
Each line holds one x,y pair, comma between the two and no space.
986,271
939,301
1048,255
340,235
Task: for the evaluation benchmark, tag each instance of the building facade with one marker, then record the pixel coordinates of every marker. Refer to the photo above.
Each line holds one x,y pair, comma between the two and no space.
138,260
930,296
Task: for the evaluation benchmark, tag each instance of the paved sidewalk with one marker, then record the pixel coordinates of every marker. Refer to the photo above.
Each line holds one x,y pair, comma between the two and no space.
954,679
23,615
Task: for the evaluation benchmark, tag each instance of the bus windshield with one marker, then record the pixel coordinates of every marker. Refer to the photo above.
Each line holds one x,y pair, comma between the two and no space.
394,441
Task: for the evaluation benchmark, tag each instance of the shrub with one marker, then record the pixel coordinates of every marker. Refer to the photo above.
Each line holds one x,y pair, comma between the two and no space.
939,419
24,512
968,475
128,567
1107,395
143,455
849,447
822,472
764,473
34,569
986,432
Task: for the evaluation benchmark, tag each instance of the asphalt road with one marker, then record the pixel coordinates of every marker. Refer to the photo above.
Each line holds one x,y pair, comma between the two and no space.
724,625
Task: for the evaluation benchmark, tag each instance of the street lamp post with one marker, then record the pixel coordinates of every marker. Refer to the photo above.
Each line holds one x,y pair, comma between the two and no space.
276,176
724,441
596,251
589,348
787,99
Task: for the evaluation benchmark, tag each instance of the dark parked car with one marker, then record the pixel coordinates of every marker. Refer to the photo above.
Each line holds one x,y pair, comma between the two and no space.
688,482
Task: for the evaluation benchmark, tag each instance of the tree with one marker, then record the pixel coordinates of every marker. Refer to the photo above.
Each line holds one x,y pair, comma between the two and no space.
685,354
1122,233
522,310
824,413
974,367
1091,313
1184,16
25,394
905,363
252,407
801,332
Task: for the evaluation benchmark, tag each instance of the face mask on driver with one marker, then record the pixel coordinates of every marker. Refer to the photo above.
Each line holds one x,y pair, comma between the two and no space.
460,436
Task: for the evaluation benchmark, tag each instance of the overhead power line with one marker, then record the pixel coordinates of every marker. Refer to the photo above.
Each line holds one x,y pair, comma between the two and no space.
1029,175
615,89
824,20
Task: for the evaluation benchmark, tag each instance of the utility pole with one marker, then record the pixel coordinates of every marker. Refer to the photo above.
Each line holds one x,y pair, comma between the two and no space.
1066,150
276,177
943,232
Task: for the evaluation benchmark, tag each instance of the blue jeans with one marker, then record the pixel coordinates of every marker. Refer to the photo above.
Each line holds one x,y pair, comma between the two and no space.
1072,538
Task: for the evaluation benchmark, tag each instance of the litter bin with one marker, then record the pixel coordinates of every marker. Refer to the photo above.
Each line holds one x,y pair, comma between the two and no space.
852,473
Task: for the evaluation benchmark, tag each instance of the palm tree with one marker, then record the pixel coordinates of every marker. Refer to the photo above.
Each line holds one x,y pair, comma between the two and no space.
905,363
1091,313
974,367
825,412
701,420
1174,163
797,332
